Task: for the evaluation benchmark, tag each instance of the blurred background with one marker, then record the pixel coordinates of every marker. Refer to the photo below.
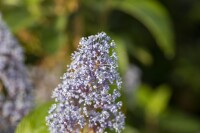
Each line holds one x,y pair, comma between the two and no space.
158,44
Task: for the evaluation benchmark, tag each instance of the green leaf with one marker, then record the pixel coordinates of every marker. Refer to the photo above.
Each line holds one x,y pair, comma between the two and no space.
159,101
154,102
51,40
122,54
154,16
12,2
143,95
129,129
18,18
179,122
34,122
143,56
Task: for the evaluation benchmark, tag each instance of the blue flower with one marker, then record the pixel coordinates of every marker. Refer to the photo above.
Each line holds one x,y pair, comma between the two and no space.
85,99
15,89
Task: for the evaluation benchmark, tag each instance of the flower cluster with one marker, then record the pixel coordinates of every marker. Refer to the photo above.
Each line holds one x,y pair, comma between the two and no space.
15,88
88,95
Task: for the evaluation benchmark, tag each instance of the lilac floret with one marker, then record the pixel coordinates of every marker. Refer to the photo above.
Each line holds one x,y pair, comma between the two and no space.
16,98
85,98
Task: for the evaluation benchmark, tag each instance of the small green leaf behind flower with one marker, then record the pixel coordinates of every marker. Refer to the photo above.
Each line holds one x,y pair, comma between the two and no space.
34,122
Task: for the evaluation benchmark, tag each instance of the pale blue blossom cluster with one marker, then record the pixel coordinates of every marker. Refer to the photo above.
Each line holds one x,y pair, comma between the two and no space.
88,95
15,88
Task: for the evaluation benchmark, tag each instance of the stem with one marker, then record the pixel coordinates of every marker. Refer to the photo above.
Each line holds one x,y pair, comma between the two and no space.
87,130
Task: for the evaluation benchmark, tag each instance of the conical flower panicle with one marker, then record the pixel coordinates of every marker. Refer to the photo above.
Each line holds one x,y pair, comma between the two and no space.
15,89
84,98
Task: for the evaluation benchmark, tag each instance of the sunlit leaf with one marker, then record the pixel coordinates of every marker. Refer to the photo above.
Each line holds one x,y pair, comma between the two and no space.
34,7
154,102
159,101
12,2
143,95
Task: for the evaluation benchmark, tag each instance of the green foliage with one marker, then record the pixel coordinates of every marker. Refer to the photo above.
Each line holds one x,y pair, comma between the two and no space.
155,17
143,56
122,54
24,19
177,122
159,101
130,129
35,122
46,28
153,102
